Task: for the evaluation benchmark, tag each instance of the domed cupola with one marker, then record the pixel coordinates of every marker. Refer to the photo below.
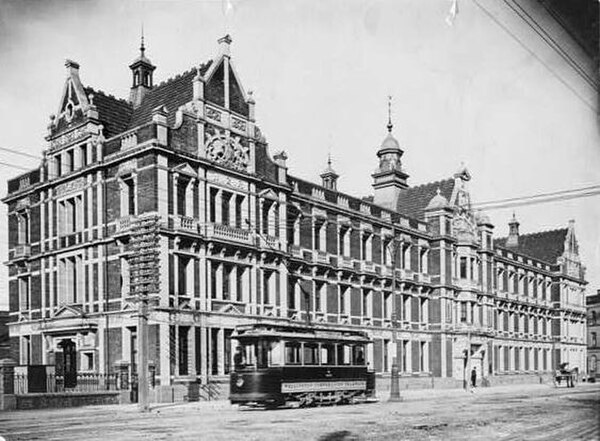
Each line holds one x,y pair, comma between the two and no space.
389,178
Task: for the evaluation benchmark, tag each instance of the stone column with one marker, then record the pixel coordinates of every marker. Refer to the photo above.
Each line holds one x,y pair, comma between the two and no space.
8,400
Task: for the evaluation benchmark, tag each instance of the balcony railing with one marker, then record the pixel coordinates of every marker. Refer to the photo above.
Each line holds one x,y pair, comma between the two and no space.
296,251
368,267
345,262
124,224
226,232
322,257
185,223
271,242
22,251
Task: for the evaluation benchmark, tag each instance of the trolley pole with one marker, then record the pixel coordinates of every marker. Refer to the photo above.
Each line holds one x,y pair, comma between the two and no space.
395,376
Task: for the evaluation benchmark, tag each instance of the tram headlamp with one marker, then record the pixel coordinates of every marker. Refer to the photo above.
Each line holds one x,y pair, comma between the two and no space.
239,382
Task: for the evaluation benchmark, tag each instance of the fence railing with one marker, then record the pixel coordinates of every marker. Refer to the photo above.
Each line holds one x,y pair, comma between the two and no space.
56,383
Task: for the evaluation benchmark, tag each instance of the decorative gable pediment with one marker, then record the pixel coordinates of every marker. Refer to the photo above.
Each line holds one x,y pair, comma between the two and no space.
186,169
231,309
268,194
69,311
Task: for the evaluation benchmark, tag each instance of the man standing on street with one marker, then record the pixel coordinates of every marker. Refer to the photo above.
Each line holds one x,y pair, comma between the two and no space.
474,377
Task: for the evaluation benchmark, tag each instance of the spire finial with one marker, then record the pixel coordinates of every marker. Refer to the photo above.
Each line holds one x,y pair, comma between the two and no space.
329,159
142,47
390,126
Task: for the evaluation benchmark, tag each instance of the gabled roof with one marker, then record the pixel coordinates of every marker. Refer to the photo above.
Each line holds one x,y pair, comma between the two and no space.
547,246
172,93
413,200
114,113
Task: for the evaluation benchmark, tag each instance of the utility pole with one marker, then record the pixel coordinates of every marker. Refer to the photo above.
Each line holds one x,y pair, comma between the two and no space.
395,377
144,273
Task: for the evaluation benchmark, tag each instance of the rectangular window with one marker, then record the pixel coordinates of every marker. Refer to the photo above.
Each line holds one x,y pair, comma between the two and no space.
341,244
463,267
386,355
365,304
58,164
463,312
213,279
70,161
291,299
227,269
130,190
88,361
239,280
239,202
213,205
266,280
133,350
225,212
404,355
318,307
83,155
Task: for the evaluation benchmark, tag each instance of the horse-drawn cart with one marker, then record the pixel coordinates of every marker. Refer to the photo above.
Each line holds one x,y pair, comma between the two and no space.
570,377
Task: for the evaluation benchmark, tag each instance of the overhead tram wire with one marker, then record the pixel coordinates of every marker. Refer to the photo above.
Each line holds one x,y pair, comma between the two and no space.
557,196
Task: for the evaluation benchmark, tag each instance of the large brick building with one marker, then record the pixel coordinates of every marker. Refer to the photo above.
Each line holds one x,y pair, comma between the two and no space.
593,333
242,240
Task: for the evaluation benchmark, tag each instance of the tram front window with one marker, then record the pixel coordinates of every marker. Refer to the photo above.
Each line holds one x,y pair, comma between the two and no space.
358,355
328,354
343,354
311,353
292,353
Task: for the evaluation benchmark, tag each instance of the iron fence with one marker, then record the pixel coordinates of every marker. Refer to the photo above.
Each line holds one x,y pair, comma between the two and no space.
55,383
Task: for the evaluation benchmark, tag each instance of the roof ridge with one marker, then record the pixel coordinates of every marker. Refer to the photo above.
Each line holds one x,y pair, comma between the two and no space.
174,78
107,95
554,230
430,183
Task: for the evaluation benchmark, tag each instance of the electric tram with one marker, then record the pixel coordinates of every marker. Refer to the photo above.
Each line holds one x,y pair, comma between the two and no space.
295,365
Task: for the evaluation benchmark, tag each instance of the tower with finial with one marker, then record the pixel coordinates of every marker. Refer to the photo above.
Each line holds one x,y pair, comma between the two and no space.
513,232
389,178
329,176
141,70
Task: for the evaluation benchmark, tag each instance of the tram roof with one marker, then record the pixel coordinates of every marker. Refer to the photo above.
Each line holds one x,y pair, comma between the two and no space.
295,332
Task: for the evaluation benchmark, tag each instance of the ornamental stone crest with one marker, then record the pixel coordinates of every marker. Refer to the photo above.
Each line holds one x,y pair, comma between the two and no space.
463,228
228,151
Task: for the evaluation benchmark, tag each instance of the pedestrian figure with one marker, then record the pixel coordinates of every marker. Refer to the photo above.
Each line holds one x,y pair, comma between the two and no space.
474,377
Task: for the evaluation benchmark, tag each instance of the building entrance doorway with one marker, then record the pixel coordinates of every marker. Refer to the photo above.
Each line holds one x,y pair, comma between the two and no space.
69,363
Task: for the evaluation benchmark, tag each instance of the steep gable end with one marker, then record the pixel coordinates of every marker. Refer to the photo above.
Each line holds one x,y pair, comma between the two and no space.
73,102
215,87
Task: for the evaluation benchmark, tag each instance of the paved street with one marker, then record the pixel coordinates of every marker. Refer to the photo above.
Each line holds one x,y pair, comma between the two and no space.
507,413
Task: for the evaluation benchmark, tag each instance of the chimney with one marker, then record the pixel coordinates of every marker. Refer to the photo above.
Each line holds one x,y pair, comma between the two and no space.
513,233
224,45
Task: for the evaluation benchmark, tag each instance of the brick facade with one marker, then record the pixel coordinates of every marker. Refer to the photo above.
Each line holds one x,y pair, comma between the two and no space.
241,240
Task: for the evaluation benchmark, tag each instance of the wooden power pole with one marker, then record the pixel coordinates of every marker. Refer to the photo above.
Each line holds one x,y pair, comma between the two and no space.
144,283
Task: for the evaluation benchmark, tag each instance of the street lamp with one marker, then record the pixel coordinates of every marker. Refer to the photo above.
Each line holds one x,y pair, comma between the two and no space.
395,377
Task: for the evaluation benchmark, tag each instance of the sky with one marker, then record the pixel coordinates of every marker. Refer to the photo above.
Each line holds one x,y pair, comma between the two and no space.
484,90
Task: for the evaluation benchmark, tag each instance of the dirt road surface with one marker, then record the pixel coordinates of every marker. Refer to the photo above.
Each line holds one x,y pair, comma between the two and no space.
505,413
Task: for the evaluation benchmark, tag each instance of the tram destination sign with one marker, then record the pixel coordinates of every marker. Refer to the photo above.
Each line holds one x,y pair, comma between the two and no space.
321,386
